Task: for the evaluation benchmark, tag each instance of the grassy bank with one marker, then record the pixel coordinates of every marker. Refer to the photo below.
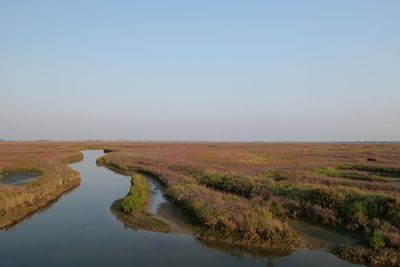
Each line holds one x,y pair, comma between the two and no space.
219,215
232,218
133,203
132,209
376,217
224,188
138,220
18,201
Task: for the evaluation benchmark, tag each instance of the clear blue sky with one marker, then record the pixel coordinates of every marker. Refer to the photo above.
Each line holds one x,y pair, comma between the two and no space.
200,70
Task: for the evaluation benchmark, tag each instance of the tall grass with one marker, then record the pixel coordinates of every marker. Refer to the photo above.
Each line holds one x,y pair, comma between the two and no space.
240,220
16,201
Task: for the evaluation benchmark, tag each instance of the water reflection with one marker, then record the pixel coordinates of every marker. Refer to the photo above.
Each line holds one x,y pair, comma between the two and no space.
80,230
42,209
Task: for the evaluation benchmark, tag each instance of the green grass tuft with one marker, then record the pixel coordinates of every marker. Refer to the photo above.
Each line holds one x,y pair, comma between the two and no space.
137,196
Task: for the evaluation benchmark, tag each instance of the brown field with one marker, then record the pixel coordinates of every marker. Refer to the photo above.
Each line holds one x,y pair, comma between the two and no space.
245,192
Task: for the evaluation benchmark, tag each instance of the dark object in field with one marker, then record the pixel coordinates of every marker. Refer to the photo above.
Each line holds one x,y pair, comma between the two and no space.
371,159
108,150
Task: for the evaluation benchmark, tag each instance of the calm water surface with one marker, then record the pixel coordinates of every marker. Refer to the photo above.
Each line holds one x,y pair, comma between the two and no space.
15,178
80,230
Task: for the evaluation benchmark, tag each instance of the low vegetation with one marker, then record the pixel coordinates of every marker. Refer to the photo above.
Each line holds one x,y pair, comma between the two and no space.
247,192
138,220
132,209
134,202
241,193
360,172
235,219
18,201
219,215
339,172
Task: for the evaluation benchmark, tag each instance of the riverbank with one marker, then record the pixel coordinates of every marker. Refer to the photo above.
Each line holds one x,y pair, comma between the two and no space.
132,210
241,193
353,199
80,230
218,216
21,200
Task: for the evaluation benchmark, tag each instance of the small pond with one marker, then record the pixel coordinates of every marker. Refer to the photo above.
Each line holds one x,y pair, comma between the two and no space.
18,177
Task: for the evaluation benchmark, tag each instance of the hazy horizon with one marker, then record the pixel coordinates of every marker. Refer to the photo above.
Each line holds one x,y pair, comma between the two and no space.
289,71
203,141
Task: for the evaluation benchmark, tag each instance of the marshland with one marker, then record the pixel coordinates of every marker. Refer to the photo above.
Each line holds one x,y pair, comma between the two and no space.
245,203
199,133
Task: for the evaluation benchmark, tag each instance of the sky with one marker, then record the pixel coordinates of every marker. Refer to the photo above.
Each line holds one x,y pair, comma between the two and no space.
200,70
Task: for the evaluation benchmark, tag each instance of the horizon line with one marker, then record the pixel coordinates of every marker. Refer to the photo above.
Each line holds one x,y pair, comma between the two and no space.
208,141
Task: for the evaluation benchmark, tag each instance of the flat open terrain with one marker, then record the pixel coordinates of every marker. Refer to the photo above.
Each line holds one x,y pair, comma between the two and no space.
49,162
245,193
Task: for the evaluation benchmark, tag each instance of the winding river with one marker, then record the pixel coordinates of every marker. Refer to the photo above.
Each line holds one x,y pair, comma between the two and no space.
80,230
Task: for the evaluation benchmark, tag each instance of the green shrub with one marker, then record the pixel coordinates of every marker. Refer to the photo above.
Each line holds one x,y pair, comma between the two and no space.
355,215
393,211
376,240
134,201
327,197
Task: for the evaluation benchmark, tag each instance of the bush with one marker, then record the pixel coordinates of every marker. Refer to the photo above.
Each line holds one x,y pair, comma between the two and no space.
390,234
327,197
318,214
355,215
376,240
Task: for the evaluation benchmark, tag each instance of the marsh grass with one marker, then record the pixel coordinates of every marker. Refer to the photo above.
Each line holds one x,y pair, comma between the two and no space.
132,209
217,215
134,202
380,171
232,218
341,172
243,192
17,201
211,183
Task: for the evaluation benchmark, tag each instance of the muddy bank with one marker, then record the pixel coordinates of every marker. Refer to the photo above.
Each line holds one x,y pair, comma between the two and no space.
159,214
322,238
144,221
